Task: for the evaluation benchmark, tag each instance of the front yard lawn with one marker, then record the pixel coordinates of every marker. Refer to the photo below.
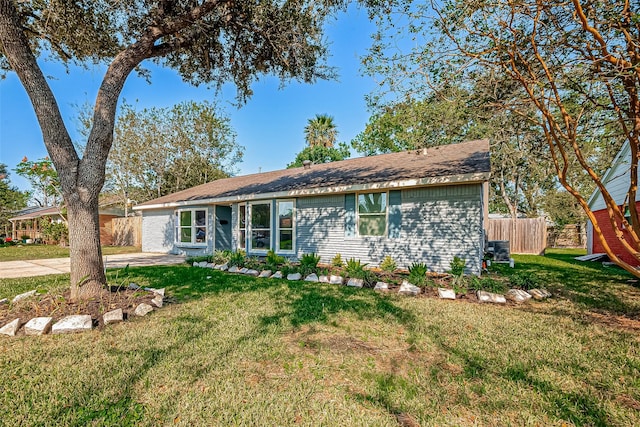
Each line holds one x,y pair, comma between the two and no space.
243,351
24,252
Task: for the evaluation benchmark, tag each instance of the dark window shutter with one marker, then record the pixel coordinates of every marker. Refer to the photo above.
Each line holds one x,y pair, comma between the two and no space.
395,213
350,215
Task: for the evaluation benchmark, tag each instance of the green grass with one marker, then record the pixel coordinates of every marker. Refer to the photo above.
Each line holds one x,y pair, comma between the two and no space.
245,351
27,252
580,285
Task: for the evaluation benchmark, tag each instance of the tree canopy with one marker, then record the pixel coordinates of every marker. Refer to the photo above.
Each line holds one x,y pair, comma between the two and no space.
319,154
205,41
569,69
320,135
43,178
158,151
11,199
321,131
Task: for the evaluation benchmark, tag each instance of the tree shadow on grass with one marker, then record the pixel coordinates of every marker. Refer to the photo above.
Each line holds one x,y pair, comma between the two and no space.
296,304
185,283
579,408
125,409
589,285
303,303
300,302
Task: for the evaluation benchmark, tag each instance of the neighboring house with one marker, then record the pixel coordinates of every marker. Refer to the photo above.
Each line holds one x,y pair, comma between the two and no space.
28,222
616,181
416,206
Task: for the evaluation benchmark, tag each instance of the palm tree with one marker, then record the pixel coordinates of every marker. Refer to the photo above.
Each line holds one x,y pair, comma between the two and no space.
321,131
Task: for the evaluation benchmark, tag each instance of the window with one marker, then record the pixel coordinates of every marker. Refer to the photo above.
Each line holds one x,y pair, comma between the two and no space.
191,226
242,226
260,226
372,214
285,233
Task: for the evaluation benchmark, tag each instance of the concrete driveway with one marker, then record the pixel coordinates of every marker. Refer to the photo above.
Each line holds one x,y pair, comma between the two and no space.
43,267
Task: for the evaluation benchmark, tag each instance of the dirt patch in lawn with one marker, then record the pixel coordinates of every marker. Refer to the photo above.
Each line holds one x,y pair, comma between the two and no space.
59,305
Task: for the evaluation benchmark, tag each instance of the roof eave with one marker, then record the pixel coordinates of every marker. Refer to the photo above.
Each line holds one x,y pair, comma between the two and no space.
607,175
469,178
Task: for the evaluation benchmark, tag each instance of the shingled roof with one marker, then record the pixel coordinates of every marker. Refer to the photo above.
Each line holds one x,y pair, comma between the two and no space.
447,164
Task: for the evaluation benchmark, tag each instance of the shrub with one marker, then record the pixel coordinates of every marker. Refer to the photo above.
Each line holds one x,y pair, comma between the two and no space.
355,268
388,264
457,266
54,230
309,263
460,284
274,260
253,263
221,257
288,268
487,284
418,273
524,281
337,261
238,258
370,278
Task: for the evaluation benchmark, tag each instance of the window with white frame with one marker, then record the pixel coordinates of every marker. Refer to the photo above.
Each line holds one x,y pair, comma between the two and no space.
372,214
260,222
191,226
242,226
285,232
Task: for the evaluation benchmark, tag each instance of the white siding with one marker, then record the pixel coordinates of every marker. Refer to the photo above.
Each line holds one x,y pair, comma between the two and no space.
617,181
158,232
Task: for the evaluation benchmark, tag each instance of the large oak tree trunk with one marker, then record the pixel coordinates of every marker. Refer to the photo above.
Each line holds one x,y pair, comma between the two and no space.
81,180
87,269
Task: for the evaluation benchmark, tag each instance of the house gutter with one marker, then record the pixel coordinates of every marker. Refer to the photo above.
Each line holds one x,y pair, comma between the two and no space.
470,178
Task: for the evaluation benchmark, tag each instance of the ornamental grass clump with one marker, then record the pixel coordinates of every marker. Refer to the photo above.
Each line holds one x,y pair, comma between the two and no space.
354,268
337,261
388,265
418,273
309,263
274,261
238,258
221,257
524,281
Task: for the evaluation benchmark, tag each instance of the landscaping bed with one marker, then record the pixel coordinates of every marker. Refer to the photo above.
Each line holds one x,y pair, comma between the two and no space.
58,305
417,280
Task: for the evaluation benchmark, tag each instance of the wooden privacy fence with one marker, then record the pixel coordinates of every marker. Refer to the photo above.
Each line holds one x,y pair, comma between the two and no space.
525,235
127,231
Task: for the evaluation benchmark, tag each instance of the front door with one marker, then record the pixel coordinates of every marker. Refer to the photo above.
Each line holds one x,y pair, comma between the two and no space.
223,227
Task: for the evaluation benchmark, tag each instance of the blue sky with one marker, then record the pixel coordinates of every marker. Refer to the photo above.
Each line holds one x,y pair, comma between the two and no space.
270,126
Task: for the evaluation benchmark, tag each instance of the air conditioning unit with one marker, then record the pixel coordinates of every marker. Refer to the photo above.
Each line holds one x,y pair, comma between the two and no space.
500,250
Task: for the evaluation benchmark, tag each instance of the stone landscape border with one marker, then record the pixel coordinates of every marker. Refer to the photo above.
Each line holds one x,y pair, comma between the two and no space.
43,325
515,295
